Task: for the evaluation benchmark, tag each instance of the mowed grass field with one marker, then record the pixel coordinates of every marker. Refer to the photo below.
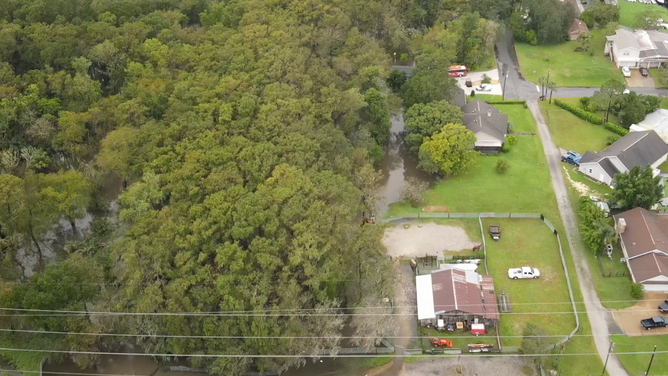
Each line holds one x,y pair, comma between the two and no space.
524,188
567,67
636,364
628,12
572,133
543,301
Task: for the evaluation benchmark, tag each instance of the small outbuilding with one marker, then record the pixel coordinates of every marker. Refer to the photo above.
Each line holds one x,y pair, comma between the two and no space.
577,29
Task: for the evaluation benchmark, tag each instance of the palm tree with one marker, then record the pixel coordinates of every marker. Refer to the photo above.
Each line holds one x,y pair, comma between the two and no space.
552,86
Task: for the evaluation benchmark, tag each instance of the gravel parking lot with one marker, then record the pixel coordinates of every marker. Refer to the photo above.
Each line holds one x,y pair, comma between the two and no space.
425,238
468,366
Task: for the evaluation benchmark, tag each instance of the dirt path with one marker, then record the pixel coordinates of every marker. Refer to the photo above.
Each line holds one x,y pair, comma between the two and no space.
468,366
425,238
406,309
599,317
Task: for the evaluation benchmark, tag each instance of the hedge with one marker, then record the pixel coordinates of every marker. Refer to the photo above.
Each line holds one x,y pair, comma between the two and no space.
614,128
582,114
509,101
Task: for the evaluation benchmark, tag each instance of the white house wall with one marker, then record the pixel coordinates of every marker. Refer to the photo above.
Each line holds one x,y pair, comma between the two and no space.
659,161
626,256
596,172
655,287
485,140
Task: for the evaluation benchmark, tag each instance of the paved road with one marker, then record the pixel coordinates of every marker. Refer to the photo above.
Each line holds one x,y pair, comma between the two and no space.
599,317
509,70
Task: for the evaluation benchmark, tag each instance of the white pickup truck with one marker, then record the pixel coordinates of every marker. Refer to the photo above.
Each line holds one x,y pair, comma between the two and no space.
523,272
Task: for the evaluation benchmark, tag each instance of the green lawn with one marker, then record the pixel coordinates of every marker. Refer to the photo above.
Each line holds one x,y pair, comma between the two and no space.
572,133
637,364
567,67
526,187
655,74
628,12
529,242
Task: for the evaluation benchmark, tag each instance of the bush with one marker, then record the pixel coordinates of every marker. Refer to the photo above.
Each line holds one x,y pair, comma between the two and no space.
612,139
507,101
502,166
413,191
585,102
616,129
505,148
486,79
636,291
582,114
511,140
530,37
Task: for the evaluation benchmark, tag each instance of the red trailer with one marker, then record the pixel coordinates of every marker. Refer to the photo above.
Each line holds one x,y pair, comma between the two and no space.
477,329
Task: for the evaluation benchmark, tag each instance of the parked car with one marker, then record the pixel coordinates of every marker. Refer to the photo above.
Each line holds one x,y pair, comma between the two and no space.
572,157
653,322
626,71
644,72
523,272
484,87
663,307
626,91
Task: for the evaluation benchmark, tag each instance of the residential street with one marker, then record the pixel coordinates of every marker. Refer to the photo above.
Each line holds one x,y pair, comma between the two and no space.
599,317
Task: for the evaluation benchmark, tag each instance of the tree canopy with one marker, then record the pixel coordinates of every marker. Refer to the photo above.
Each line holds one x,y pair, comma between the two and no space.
449,151
636,188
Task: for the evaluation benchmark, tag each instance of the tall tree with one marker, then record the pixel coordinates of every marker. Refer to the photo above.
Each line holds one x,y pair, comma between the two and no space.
594,226
609,95
424,120
636,188
449,152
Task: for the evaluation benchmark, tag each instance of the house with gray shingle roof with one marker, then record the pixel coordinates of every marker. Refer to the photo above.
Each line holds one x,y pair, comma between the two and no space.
642,149
639,48
489,125
643,236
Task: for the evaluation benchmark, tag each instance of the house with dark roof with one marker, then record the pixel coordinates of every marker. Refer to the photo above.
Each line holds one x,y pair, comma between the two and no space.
489,125
645,148
643,236
458,97
446,297
637,48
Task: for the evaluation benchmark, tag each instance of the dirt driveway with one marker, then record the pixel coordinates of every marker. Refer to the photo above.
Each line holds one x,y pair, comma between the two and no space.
413,239
637,80
468,366
628,319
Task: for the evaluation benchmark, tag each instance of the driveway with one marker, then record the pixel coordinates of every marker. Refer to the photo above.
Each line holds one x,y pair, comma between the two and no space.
637,80
506,57
476,80
628,319
599,317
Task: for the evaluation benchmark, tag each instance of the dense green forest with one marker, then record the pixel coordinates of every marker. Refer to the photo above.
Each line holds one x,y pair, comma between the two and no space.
220,153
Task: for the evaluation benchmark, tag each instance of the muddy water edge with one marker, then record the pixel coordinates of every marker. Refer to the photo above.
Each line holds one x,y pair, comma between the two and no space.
397,166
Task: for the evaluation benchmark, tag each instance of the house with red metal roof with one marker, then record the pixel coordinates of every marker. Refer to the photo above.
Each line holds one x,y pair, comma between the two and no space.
448,297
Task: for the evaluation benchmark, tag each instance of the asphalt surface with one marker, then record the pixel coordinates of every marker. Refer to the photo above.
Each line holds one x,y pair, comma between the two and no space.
599,317
516,87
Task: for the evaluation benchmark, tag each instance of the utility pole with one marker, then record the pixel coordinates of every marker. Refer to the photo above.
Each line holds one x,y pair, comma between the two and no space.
607,357
395,58
547,82
650,361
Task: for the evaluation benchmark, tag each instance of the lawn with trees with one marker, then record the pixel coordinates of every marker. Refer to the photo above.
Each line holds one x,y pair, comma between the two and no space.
630,13
567,67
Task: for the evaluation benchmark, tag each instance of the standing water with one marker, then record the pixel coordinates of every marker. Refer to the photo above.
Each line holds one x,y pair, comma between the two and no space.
397,166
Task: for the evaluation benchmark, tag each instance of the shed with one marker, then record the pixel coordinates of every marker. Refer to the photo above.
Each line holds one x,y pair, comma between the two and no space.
577,29
478,329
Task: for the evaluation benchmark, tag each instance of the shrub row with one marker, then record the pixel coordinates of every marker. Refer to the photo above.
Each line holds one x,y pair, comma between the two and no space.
509,101
582,114
616,129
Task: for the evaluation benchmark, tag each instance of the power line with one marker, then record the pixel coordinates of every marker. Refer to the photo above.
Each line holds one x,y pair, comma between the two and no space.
306,355
256,337
315,309
71,373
